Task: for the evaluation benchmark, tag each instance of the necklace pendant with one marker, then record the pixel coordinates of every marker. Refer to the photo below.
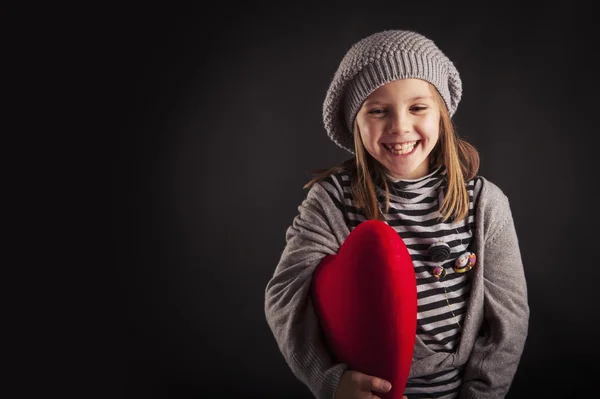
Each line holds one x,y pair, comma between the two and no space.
439,272
439,251
465,262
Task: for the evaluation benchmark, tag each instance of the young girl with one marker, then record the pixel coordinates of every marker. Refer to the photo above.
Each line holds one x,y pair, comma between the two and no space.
390,104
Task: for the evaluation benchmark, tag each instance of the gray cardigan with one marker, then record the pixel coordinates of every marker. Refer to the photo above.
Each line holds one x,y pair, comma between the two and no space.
494,328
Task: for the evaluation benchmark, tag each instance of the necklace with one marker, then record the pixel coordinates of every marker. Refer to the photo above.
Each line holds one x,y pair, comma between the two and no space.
451,311
439,252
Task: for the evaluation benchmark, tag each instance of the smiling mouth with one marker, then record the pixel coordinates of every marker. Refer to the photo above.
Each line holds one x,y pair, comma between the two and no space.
401,148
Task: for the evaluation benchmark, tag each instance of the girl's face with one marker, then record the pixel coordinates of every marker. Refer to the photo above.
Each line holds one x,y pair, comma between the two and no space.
399,124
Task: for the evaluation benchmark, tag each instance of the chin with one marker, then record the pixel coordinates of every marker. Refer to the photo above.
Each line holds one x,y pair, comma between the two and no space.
407,173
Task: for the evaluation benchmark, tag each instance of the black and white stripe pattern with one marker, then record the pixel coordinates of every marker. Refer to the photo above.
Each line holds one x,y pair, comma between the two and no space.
442,304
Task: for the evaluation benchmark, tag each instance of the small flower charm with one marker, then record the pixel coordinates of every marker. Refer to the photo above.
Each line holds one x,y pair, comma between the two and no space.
439,251
439,272
465,262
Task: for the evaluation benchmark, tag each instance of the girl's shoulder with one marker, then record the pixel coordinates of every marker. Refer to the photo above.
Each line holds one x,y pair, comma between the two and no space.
491,198
335,184
337,179
487,188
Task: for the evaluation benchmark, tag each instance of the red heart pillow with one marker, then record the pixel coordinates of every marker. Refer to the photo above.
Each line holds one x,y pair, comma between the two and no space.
366,299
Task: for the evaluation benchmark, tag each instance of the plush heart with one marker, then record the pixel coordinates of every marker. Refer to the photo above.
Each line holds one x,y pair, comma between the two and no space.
366,299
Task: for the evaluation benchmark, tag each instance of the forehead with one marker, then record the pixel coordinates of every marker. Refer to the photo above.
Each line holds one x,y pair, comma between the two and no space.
403,89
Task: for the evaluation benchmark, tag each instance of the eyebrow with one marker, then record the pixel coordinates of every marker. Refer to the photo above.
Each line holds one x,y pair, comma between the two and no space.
415,98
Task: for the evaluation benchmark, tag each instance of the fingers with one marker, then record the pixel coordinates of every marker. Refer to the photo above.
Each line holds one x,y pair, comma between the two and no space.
376,384
380,385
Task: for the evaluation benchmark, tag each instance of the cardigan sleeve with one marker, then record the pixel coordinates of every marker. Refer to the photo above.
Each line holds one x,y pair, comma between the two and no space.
498,349
288,307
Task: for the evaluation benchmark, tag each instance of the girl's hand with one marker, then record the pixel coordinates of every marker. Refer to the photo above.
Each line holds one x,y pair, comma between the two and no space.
355,385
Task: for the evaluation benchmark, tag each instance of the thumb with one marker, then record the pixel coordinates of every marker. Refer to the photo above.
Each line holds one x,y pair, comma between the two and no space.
377,384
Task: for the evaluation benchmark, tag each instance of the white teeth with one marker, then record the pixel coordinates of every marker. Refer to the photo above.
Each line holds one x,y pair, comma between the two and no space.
403,148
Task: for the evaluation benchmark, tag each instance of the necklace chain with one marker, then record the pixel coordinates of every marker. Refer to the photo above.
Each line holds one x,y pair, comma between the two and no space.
451,311
445,291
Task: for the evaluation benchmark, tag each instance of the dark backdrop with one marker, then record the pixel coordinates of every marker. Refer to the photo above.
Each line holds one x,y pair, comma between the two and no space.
220,122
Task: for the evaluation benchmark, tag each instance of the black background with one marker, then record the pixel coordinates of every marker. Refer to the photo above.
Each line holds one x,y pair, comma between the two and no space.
219,122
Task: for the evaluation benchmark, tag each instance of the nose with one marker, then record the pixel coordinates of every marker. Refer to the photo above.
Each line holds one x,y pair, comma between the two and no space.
400,122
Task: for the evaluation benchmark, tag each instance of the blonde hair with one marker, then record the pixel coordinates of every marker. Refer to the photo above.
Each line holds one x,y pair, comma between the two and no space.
460,158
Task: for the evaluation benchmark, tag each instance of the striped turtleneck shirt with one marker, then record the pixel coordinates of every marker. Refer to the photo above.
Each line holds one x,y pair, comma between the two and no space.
414,214
476,360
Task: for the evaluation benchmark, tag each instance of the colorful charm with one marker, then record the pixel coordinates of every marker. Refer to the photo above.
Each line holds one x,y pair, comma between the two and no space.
465,262
439,251
439,272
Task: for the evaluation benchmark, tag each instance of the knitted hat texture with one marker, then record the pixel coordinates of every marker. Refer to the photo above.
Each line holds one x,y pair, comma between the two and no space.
379,59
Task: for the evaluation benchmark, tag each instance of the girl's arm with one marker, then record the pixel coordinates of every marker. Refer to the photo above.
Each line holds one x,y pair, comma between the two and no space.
497,352
288,306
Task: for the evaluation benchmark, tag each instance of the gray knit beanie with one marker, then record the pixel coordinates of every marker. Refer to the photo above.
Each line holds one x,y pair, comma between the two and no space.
379,59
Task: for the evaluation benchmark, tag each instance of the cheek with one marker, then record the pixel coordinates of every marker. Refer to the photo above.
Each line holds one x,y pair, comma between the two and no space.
367,140
373,128
431,128
368,133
